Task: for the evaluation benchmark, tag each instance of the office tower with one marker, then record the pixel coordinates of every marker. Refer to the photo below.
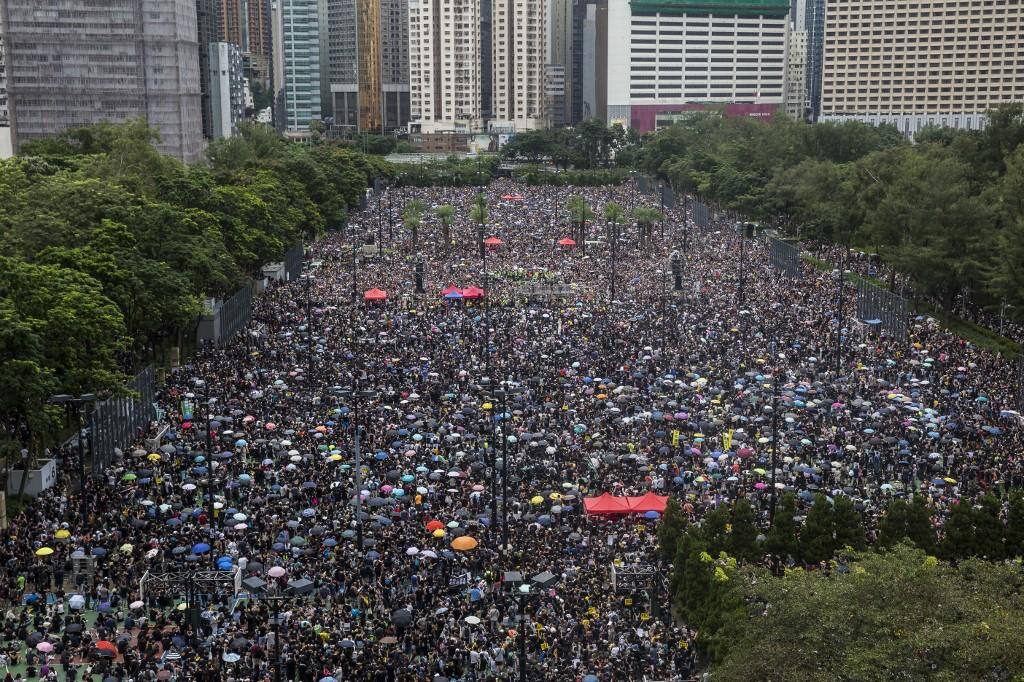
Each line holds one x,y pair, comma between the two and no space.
519,39
942,63
207,32
227,89
367,56
559,70
796,74
680,56
82,62
594,63
814,25
444,66
296,34
486,60
246,23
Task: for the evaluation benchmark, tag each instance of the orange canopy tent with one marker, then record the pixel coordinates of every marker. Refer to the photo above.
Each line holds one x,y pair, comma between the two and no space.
606,504
648,502
375,295
566,241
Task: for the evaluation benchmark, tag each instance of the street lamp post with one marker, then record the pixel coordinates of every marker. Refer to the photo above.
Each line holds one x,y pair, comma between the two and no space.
200,383
502,394
613,252
299,587
308,277
357,396
839,310
77,405
522,591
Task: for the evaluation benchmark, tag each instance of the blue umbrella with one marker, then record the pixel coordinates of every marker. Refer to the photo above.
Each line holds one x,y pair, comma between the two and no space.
652,515
590,678
373,555
99,551
200,548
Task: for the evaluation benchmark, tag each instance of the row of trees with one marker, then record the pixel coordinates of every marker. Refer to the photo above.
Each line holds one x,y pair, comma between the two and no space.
713,563
947,210
590,144
115,246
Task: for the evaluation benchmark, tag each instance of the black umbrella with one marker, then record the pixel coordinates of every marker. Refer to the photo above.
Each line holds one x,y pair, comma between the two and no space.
401,617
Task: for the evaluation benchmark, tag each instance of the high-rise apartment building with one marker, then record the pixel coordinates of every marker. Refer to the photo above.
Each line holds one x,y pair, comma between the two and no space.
593,82
6,143
519,39
943,63
814,25
296,33
559,70
246,23
445,65
227,88
796,74
684,55
207,32
366,53
79,62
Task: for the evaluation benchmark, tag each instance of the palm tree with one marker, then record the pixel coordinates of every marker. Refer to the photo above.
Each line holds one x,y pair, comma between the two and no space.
645,217
580,213
412,216
446,213
478,213
613,215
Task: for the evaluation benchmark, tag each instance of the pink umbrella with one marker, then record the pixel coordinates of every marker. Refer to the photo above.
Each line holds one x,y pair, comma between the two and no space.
248,419
45,647
386,489
745,452
270,426
760,486
276,571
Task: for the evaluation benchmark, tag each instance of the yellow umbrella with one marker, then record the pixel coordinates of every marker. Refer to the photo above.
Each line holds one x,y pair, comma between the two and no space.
536,499
438,533
464,543
62,534
153,457
336,458
486,406
602,396
126,548
950,480
44,551
555,496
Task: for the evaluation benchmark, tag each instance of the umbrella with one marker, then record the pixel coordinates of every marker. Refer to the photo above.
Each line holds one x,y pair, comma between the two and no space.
104,646
464,543
401,617
44,551
45,647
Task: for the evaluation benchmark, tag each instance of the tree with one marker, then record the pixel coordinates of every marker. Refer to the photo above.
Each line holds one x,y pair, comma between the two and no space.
958,540
782,540
919,525
673,524
894,615
1014,537
645,217
848,525
412,216
580,213
988,529
742,539
478,214
892,528
445,214
817,539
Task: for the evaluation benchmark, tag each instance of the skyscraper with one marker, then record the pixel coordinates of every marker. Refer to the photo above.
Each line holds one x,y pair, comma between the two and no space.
367,64
680,56
226,88
6,143
796,74
519,39
814,25
297,64
559,69
207,32
246,23
942,63
81,62
445,65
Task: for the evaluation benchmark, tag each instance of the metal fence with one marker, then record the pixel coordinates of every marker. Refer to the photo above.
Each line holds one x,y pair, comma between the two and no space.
701,215
293,261
234,314
114,422
784,256
878,307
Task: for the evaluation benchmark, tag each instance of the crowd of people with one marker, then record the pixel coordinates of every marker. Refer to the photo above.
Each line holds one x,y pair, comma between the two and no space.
383,463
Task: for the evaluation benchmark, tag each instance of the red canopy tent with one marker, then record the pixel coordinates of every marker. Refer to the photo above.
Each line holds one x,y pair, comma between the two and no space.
472,291
606,504
375,295
512,197
493,242
451,290
648,502
566,241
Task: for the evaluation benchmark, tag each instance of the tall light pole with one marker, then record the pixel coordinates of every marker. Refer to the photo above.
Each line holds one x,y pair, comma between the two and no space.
357,396
77,405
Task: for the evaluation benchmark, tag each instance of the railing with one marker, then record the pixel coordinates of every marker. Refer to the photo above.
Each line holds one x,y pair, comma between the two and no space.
115,422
